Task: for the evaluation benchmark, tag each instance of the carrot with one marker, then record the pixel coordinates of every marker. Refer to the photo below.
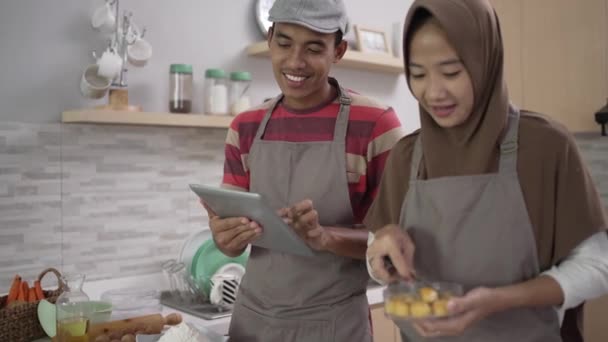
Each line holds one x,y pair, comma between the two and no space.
15,288
31,296
38,289
23,294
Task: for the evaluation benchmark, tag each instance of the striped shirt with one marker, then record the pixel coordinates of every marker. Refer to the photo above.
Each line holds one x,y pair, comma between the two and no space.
372,131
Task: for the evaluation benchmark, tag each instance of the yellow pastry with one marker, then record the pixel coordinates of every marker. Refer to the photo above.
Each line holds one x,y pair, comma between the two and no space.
402,309
390,306
428,294
440,308
397,307
420,309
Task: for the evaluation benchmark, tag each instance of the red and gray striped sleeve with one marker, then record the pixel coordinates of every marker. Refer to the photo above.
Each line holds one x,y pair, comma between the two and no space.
238,143
235,174
385,135
367,158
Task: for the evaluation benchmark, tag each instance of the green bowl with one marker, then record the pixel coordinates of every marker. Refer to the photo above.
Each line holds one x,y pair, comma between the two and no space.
207,260
47,315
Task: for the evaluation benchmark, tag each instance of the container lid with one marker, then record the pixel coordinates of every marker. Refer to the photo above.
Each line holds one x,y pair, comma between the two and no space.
181,68
240,76
215,73
131,298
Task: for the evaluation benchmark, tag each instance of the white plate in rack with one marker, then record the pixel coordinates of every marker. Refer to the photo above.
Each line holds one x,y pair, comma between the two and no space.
192,244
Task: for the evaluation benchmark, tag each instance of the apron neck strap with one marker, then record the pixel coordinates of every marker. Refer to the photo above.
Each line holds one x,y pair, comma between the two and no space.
262,128
342,119
509,145
416,158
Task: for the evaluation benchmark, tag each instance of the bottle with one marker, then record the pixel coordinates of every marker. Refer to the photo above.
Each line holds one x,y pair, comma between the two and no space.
180,89
239,85
72,310
216,92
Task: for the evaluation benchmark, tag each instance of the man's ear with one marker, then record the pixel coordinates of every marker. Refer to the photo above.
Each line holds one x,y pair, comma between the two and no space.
269,37
340,50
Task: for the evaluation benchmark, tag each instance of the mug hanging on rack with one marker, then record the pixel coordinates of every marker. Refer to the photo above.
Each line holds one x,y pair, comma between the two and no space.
104,18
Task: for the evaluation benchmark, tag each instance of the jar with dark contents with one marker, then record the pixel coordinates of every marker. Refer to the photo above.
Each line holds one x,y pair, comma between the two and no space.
180,89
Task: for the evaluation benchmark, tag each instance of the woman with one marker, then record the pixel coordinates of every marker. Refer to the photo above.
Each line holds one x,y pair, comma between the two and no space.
495,195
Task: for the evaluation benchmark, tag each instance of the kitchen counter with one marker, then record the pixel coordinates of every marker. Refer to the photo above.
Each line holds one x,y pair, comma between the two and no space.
374,296
219,325
95,288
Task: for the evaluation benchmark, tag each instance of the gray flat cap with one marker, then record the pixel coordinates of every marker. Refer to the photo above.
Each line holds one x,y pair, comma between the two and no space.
324,16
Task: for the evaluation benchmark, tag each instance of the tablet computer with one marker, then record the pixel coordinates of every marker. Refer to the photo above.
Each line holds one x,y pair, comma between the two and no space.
276,234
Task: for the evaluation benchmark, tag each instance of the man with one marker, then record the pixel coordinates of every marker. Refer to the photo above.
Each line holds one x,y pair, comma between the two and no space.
316,153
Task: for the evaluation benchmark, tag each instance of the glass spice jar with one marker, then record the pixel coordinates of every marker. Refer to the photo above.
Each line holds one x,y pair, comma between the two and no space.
239,97
216,92
180,89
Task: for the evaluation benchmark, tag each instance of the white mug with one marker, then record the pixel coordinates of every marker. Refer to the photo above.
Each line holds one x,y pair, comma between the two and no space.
139,52
104,19
110,64
92,85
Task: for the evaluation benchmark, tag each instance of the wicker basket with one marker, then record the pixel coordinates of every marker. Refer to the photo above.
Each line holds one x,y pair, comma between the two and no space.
20,323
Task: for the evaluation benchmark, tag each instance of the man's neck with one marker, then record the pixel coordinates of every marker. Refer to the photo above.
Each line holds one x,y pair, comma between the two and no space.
326,95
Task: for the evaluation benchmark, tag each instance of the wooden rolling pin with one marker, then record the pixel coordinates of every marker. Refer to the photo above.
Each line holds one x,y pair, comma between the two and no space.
150,324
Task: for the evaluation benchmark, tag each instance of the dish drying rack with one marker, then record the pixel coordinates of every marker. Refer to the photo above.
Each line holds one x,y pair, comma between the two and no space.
192,300
198,307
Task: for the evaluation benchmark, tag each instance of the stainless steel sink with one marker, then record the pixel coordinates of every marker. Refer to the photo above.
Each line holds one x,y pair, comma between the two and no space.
195,307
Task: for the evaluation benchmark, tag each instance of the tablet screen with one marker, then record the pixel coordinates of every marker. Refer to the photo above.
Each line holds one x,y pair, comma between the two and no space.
276,234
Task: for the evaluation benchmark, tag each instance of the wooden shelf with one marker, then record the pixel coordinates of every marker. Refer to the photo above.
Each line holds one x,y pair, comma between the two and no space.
146,118
352,59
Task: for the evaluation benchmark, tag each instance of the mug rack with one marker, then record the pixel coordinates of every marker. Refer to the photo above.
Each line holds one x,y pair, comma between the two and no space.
125,34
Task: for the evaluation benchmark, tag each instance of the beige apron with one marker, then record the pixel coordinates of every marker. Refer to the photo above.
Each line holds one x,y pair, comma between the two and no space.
284,297
475,230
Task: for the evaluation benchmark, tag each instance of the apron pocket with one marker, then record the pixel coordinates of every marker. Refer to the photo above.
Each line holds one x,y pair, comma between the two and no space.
250,326
353,321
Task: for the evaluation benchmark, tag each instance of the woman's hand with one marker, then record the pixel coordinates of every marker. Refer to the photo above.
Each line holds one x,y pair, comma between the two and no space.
464,312
393,243
540,292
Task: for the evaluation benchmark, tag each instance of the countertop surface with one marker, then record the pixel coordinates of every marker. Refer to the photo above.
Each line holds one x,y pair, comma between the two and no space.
220,325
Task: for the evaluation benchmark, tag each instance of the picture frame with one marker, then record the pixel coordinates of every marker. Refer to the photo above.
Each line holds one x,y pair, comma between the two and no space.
372,40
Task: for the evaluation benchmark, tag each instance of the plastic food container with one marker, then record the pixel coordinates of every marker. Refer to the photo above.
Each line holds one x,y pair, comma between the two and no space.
418,300
133,302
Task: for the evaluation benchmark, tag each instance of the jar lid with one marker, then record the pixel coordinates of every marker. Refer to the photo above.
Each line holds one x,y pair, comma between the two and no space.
215,73
181,68
240,76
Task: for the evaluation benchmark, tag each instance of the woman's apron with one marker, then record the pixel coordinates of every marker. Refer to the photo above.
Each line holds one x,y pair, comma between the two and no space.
475,230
